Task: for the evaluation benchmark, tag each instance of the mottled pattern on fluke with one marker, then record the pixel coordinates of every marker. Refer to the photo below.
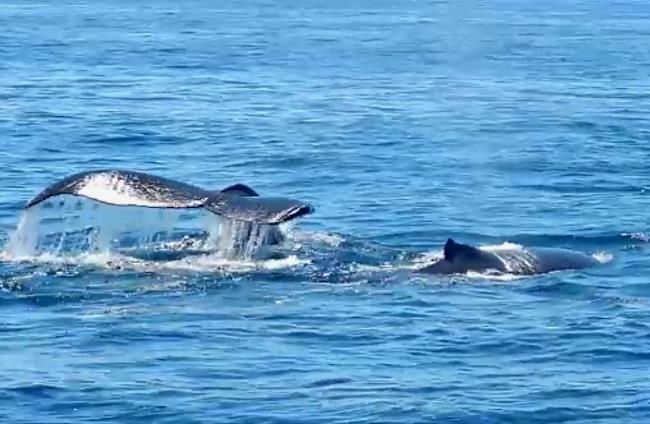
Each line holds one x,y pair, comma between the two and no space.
132,188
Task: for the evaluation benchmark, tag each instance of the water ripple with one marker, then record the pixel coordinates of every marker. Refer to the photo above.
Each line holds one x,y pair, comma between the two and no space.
404,124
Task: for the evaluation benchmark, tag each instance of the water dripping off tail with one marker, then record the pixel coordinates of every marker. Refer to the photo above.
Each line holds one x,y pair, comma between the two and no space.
246,240
69,229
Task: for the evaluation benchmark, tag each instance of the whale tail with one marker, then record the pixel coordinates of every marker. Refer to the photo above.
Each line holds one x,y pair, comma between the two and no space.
263,210
245,204
131,188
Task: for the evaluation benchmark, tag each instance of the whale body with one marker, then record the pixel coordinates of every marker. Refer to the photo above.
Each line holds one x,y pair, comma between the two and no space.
461,258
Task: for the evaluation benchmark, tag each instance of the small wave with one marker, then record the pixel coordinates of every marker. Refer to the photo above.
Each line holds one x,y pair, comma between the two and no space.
638,236
329,239
589,240
201,264
327,382
495,276
555,287
425,259
88,259
210,263
386,266
35,390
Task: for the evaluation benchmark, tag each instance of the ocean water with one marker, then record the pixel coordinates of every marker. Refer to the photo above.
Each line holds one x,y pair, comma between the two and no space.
403,123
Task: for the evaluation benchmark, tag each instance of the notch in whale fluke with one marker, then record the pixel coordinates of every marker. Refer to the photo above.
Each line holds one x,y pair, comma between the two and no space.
132,188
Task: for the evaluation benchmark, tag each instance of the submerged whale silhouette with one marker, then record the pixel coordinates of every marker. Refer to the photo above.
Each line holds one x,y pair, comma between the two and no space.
461,258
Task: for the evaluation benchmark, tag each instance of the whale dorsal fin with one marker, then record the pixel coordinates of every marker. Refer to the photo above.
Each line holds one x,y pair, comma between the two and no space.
241,190
453,249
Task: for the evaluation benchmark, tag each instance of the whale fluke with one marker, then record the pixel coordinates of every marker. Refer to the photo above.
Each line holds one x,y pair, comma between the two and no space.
126,188
265,210
132,188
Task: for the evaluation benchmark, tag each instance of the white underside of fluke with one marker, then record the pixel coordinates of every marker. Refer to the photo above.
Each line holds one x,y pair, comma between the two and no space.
115,190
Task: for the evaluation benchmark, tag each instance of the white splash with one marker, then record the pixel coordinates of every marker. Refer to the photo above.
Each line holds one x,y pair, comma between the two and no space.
386,266
73,227
195,264
603,257
493,276
234,238
500,247
215,263
315,237
23,241
76,226
644,237
426,258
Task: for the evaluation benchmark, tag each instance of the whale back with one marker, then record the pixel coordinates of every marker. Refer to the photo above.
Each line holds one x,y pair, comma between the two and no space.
461,258
554,259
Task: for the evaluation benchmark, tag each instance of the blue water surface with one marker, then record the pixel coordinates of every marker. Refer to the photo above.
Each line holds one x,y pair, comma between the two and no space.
403,123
